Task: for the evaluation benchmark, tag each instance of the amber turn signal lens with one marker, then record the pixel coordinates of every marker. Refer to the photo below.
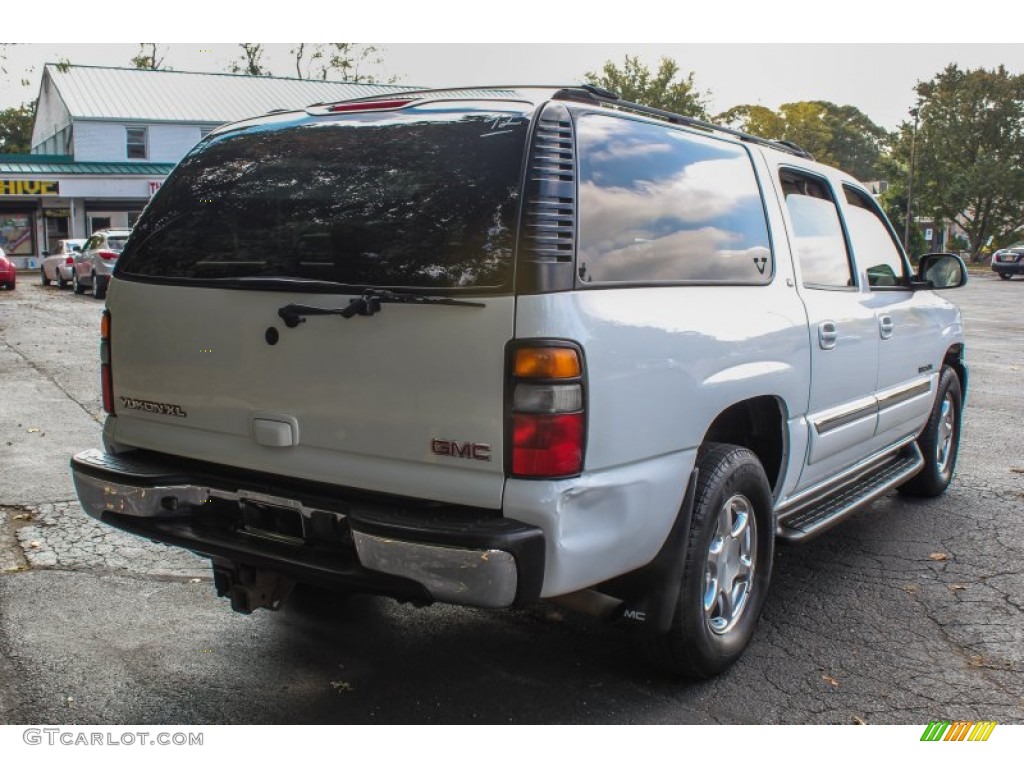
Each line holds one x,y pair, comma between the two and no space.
105,326
547,363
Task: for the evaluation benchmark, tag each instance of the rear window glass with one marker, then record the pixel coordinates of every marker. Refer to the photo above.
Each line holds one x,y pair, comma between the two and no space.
116,243
414,199
658,204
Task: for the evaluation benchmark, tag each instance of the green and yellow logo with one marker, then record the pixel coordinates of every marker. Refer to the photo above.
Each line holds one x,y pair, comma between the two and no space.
958,730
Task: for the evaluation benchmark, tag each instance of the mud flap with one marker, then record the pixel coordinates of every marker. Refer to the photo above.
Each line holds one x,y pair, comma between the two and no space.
650,595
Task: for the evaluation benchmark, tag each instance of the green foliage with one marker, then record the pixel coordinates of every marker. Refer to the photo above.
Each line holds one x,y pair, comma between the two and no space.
968,151
894,203
336,61
662,89
842,136
148,57
16,129
250,61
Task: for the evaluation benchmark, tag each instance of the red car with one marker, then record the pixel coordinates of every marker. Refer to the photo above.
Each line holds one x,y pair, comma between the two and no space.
8,275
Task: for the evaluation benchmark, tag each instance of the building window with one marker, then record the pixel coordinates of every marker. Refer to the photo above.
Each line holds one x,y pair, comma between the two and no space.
137,149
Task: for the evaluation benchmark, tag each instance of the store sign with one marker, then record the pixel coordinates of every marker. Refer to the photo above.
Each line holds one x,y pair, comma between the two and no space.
154,187
56,213
29,187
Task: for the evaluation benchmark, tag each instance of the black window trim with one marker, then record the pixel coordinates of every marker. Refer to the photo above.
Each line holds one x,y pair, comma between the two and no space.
876,209
578,284
850,263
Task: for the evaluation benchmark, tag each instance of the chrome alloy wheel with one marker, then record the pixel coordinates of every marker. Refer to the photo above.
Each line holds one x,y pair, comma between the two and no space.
947,433
732,557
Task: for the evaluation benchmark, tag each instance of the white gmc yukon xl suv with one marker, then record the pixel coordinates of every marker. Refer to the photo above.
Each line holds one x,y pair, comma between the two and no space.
496,346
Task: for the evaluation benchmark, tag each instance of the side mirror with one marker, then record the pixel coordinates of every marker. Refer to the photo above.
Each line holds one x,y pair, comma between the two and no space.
939,271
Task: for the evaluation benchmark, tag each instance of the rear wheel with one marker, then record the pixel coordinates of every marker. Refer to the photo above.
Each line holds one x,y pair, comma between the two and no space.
98,290
940,440
62,284
728,566
42,276
1004,275
76,284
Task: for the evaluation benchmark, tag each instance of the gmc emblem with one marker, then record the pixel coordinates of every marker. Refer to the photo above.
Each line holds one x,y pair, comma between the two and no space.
457,450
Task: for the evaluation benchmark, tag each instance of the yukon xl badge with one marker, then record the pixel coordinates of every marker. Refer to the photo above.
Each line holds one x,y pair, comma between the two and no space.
164,409
457,450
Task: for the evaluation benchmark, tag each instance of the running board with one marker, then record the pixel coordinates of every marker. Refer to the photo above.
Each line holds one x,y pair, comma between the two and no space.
821,513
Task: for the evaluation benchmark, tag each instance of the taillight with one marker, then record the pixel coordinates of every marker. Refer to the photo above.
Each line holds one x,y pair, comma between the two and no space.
106,375
107,255
547,410
370,106
69,260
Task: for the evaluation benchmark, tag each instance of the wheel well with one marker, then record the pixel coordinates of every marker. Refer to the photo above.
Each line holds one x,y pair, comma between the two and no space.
954,359
757,424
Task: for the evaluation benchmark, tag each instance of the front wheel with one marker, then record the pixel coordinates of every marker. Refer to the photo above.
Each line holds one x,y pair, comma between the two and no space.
727,568
940,440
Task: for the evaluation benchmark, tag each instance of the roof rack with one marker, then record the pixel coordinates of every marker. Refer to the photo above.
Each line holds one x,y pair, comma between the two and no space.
595,95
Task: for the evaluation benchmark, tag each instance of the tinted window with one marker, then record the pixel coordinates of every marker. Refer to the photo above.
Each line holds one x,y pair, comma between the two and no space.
817,232
116,243
396,199
660,204
872,242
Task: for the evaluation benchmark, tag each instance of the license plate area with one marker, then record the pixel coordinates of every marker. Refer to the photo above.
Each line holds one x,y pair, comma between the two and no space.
268,521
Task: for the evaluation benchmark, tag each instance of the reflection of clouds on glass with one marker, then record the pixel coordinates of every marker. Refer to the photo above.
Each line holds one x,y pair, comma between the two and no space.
630,148
707,253
818,241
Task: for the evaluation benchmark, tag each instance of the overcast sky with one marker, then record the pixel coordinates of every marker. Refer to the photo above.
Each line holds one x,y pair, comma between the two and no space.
728,59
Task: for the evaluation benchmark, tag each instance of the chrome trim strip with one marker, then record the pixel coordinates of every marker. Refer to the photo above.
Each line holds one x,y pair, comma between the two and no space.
830,484
847,415
903,393
486,578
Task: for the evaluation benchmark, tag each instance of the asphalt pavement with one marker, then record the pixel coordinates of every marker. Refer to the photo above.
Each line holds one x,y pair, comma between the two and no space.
910,611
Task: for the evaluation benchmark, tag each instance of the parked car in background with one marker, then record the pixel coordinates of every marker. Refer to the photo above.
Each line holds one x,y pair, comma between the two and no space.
95,263
56,267
1009,261
8,275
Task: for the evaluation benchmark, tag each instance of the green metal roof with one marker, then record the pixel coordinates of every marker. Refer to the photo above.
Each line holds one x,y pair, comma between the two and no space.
63,165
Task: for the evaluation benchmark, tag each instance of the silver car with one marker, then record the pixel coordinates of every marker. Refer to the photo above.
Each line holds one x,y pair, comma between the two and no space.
57,266
95,262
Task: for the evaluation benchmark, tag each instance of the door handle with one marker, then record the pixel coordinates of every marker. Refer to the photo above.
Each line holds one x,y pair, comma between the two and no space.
885,326
827,334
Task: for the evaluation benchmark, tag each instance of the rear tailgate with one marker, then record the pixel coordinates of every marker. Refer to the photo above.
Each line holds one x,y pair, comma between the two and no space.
315,211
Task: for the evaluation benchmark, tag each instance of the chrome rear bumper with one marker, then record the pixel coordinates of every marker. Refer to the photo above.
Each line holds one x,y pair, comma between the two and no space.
333,536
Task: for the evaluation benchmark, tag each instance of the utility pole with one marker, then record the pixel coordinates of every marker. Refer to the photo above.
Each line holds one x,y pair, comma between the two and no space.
910,182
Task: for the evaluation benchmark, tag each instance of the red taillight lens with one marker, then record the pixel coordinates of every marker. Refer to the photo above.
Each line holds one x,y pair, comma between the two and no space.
107,255
369,106
69,260
547,446
106,374
547,418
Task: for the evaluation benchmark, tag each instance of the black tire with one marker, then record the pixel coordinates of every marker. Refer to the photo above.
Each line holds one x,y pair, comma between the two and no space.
1004,275
42,277
76,284
62,284
99,290
704,642
939,441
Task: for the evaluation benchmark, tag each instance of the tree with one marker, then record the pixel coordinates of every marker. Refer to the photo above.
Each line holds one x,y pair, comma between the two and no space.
968,152
842,136
662,90
16,129
250,61
148,57
335,61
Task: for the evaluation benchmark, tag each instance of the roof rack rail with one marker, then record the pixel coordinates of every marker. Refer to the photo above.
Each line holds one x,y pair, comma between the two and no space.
594,94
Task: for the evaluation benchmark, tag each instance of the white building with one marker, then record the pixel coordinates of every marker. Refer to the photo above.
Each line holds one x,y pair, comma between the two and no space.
104,139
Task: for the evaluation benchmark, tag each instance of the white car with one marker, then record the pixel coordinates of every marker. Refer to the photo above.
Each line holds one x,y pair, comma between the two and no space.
495,346
57,267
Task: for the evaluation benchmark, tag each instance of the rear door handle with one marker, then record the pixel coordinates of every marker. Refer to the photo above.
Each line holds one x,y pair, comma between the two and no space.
885,326
827,334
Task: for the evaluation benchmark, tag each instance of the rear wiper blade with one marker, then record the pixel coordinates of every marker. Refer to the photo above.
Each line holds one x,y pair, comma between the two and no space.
367,304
